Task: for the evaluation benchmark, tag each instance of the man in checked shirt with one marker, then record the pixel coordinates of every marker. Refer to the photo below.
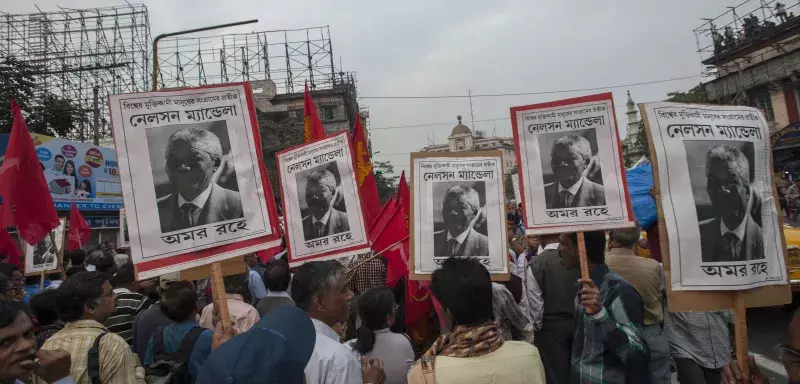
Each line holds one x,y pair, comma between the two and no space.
608,347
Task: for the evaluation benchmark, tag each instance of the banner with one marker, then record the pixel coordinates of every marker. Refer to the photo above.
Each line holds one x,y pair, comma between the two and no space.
458,210
515,185
195,186
76,172
321,201
45,254
715,182
570,166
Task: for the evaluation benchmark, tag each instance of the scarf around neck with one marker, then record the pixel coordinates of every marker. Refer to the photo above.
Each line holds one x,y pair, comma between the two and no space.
464,341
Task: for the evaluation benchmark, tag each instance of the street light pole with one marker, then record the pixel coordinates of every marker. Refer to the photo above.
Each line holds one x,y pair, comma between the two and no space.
184,32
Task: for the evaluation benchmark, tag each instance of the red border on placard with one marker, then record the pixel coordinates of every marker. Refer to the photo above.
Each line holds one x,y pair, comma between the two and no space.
358,195
559,103
265,185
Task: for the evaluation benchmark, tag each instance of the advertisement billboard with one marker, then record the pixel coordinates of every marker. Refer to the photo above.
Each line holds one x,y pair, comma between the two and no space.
79,173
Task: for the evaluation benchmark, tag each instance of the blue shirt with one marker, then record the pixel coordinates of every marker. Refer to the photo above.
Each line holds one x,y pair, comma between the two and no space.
255,285
173,335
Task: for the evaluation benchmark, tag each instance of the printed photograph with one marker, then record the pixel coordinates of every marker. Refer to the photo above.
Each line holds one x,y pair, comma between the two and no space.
459,221
44,253
321,201
728,208
194,175
60,177
571,171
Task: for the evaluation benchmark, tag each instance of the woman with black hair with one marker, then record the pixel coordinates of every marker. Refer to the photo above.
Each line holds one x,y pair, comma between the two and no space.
377,310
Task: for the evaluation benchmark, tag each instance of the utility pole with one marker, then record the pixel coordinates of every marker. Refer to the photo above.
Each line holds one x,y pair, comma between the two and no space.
471,115
96,111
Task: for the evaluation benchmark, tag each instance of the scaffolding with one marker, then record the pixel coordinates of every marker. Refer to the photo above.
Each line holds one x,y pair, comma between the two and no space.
287,57
82,55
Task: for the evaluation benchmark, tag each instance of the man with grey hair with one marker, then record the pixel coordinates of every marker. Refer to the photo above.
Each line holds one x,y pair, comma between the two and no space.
731,235
319,288
646,277
193,156
323,219
569,157
460,206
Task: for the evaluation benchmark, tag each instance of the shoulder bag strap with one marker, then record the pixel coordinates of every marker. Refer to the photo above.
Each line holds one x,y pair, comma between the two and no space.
93,363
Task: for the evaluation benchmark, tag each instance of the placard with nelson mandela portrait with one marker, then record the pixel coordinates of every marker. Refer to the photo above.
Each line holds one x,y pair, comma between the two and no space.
715,190
458,211
321,202
194,185
570,167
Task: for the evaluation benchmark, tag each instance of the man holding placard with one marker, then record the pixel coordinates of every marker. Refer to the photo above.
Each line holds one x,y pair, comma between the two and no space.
609,346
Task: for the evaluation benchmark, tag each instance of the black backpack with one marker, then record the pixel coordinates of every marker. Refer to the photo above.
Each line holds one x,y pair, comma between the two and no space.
171,368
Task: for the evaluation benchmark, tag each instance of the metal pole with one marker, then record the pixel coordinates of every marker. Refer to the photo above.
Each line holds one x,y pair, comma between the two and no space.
184,32
96,111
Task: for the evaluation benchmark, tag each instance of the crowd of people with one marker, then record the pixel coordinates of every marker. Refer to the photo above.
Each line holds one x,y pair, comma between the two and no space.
323,323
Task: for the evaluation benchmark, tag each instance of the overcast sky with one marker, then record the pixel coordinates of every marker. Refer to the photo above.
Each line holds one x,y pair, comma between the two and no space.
447,47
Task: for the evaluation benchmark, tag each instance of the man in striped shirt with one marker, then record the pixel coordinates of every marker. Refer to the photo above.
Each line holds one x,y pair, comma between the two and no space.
129,302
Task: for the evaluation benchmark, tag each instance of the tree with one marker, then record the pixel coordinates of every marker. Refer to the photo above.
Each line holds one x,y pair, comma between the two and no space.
16,82
54,115
509,185
385,178
278,132
695,95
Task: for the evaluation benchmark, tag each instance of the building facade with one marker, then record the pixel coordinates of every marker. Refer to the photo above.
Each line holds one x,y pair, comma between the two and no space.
634,146
462,138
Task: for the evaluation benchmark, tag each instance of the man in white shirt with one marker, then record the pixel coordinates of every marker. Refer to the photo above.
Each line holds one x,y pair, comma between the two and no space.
731,235
322,219
320,289
570,155
460,205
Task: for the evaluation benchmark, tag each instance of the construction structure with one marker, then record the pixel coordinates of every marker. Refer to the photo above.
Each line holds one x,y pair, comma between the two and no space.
753,51
82,55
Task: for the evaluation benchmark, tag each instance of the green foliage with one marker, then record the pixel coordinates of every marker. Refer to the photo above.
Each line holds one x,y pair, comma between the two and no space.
385,178
277,134
510,185
694,95
54,115
16,82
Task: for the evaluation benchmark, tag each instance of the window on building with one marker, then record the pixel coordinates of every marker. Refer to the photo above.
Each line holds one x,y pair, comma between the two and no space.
327,112
763,101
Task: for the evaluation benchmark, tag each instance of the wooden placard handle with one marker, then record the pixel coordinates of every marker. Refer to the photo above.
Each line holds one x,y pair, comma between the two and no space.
740,333
582,256
220,298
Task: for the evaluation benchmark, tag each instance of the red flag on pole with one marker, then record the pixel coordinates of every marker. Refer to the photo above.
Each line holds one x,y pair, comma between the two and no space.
395,237
79,231
9,247
312,126
404,196
27,204
383,217
365,175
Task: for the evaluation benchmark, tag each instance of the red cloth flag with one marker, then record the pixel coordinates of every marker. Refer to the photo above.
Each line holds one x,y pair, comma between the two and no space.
27,204
404,196
365,175
383,217
10,247
79,231
312,126
418,301
394,237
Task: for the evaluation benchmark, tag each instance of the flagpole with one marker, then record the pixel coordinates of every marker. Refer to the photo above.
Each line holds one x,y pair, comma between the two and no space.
374,255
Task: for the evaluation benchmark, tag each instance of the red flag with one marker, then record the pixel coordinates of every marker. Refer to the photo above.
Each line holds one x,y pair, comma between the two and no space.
312,126
418,301
383,217
9,247
27,204
365,175
404,196
393,242
79,231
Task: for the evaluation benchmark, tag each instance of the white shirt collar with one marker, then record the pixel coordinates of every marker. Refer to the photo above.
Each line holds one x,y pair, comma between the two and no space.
278,294
461,237
199,201
546,247
573,189
325,330
122,290
739,231
323,220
